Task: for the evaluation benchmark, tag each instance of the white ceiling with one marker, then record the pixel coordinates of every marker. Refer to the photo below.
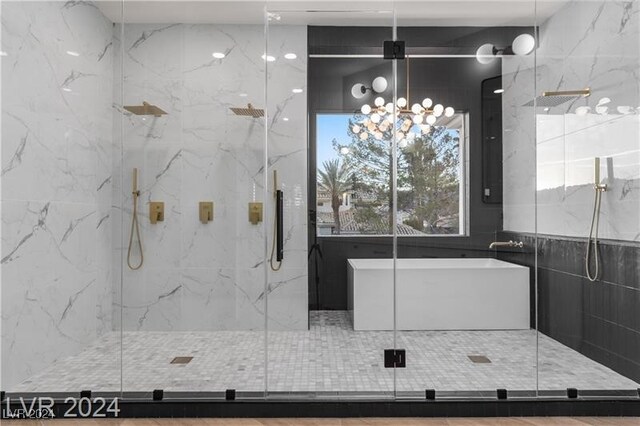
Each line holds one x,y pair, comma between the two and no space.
340,13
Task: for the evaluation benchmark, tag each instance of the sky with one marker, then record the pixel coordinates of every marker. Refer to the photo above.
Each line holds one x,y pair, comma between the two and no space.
328,127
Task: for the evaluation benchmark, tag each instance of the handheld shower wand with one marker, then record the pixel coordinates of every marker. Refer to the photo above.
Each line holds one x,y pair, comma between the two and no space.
595,221
277,247
134,224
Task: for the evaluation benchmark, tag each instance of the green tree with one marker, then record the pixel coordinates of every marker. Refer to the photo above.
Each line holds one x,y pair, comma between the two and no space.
432,168
335,179
427,173
372,160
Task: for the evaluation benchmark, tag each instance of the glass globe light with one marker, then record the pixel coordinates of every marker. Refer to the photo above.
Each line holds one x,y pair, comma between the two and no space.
426,102
379,84
583,110
416,108
389,107
375,118
344,150
355,129
438,110
417,119
523,44
358,90
363,136
602,109
425,128
379,101
402,102
431,119
366,109
448,112
377,135
484,54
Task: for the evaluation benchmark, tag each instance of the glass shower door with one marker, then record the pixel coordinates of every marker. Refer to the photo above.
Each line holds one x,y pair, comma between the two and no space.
193,313
329,96
465,296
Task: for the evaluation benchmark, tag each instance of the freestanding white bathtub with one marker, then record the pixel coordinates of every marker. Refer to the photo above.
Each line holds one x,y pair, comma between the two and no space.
438,294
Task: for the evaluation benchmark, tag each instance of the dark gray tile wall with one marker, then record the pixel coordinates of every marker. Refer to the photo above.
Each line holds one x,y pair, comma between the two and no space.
599,319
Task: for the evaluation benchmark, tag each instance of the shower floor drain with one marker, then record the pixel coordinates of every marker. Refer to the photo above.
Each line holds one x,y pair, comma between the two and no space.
181,360
479,359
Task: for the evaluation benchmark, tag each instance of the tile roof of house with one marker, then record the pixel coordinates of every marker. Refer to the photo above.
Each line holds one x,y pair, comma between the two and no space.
350,226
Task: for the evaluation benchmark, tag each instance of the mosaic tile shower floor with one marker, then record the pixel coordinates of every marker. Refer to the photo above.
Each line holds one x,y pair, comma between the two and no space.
328,357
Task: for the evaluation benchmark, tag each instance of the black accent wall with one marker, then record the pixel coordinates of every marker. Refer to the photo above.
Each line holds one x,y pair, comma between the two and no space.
451,81
599,319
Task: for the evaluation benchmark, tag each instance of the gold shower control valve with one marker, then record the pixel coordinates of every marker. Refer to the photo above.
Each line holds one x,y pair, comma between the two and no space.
156,211
206,211
255,213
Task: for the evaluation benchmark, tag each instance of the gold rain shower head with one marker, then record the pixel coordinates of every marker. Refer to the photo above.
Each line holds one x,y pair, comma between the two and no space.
553,99
145,109
249,111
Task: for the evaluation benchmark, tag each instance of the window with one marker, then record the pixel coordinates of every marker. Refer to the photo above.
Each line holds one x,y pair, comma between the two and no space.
354,179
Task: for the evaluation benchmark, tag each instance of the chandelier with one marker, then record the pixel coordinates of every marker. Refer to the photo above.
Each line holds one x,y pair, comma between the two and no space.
409,123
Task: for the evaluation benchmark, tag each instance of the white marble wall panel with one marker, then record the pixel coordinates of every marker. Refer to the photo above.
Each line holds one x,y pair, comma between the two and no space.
212,276
519,148
56,182
593,44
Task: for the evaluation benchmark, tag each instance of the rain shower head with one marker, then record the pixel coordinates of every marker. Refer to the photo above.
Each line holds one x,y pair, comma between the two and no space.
249,111
145,109
554,99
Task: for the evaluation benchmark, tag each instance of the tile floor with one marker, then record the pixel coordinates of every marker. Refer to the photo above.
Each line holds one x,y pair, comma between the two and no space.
329,357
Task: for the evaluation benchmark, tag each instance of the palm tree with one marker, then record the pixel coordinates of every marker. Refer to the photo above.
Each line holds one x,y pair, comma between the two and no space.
335,179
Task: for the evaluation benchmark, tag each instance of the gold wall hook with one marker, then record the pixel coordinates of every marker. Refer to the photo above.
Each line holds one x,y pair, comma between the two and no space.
206,211
255,213
156,211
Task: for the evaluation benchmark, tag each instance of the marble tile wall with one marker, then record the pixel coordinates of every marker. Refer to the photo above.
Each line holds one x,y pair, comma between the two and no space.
57,74
212,277
593,44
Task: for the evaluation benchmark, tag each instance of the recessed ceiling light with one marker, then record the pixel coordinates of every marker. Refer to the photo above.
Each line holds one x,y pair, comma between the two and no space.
290,56
243,95
297,90
218,55
269,58
285,119
498,91
72,53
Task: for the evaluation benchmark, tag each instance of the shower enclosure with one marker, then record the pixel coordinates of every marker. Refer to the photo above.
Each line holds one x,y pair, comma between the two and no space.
308,201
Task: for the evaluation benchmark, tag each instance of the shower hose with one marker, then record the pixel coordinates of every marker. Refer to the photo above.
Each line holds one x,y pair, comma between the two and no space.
135,227
593,239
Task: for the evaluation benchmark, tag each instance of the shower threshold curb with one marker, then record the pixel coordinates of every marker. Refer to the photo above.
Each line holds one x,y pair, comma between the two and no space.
267,408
